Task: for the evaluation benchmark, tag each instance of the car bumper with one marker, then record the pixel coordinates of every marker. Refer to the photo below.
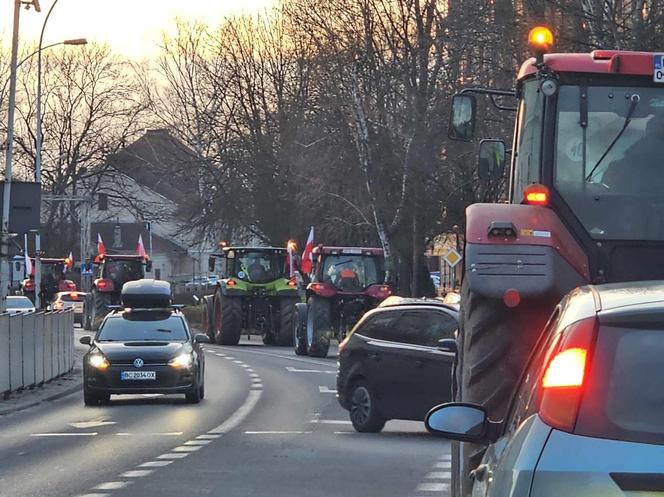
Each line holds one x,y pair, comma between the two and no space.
168,380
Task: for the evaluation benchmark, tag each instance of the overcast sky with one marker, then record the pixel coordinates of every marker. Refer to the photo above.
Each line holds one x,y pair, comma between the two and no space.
130,27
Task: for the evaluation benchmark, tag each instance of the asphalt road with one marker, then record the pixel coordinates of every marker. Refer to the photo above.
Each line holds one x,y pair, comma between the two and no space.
270,426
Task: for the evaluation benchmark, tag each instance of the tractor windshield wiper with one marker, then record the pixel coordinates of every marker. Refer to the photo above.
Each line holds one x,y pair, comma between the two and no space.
164,330
628,119
342,262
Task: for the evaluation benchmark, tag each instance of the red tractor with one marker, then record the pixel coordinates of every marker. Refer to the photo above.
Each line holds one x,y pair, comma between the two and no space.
113,271
53,280
585,205
345,283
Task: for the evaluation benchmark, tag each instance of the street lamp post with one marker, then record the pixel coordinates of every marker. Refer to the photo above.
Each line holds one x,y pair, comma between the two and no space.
9,156
38,134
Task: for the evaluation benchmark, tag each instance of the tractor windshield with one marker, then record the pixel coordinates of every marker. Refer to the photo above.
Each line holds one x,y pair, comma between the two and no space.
352,273
122,271
607,163
260,267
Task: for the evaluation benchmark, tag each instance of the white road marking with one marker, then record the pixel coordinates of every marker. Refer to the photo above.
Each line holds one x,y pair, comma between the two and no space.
93,495
433,487
239,415
112,485
82,434
331,421
443,465
324,389
246,366
237,362
229,358
277,432
257,386
186,448
346,433
165,434
438,475
291,358
446,457
136,473
254,375
155,464
295,370
197,442
92,424
181,455
207,437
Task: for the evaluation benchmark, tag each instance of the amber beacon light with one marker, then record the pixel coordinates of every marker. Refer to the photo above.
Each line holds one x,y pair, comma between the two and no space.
540,39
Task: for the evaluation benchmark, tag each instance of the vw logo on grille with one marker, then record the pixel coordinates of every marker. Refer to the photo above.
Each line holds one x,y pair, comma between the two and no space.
138,362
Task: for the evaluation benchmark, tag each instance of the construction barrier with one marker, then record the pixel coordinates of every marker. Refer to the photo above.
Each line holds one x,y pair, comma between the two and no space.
34,348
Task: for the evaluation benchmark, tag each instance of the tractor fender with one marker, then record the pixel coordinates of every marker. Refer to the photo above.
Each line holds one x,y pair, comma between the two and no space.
539,259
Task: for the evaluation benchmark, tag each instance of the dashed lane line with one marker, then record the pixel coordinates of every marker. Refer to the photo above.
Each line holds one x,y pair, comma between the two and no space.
291,369
75,434
155,464
288,358
325,389
277,432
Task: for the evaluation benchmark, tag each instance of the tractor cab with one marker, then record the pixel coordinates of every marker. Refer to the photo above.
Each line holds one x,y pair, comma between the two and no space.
253,265
116,270
348,269
53,279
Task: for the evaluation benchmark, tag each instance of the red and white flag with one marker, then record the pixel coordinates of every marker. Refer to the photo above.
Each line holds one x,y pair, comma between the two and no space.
69,263
141,248
307,263
29,268
101,248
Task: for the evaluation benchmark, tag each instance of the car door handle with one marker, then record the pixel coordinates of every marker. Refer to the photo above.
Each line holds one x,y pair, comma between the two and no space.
480,473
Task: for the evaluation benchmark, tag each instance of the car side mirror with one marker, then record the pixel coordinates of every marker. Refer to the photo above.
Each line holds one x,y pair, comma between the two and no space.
211,264
447,345
462,119
459,421
201,338
86,340
491,159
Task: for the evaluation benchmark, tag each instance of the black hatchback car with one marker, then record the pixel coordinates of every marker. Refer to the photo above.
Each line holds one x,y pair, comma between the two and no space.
397,361
144,347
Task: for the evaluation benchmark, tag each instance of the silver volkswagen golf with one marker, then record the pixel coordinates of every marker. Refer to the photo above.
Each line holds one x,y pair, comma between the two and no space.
587,418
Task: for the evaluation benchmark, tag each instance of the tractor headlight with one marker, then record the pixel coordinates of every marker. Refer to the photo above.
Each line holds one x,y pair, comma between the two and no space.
183,361
98,361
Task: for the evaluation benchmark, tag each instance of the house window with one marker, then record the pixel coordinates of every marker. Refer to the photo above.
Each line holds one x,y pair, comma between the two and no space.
117,236
103,202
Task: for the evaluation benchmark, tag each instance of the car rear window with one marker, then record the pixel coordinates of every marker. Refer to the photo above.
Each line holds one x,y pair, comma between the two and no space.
624,398
128,329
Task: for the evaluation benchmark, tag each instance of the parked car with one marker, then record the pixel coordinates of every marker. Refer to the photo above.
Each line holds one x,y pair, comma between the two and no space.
69,300
18,303
396,362
587,417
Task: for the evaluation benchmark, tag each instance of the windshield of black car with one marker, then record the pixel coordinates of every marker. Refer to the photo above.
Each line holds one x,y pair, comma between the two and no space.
260,267
607,164
623,396
129,329
352,272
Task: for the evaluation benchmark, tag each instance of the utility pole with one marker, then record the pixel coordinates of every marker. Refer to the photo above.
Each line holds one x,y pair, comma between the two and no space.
9,156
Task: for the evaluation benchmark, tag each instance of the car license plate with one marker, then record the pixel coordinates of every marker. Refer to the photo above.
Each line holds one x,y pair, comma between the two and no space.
138,375
658,69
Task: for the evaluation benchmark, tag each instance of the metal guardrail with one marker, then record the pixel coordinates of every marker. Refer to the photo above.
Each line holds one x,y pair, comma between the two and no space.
35,348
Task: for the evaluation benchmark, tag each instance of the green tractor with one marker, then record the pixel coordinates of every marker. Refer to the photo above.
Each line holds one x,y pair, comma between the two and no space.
255,293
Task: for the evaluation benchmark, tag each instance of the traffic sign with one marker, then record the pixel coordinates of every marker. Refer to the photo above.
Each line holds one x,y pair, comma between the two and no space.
452,258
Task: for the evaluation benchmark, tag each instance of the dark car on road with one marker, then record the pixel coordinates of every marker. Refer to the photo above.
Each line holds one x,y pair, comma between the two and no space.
396,363
587,416
145,346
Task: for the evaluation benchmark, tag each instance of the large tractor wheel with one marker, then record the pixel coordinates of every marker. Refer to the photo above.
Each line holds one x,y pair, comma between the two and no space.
300,329
319,326
284,334
494,343
207,317
227,319
100,303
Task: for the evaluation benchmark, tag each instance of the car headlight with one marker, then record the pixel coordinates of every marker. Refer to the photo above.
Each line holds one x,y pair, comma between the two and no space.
183,361
98,361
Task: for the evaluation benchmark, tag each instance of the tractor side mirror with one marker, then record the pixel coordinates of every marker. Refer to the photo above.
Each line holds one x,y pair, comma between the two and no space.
491,159
148,266
211,264
462,120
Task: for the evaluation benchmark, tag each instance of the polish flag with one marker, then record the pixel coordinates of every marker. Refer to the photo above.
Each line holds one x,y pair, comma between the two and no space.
101,248
141,248
307,263
29,268
69,263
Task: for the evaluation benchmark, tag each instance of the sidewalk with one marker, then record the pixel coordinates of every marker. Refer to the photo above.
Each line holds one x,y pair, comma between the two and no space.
55,389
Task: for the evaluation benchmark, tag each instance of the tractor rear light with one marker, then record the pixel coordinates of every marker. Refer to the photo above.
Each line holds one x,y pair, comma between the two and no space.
536,194
231,282
71,285
563,381
323,289
29,285
104,285
292,283
511,297
379,291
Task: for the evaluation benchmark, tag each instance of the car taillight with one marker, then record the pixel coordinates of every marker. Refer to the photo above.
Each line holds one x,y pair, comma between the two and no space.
536,194
563,380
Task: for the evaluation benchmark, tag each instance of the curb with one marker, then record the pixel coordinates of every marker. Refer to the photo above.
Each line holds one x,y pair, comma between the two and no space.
48,398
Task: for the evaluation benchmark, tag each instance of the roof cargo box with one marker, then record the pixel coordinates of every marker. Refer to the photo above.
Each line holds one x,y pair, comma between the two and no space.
146,294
